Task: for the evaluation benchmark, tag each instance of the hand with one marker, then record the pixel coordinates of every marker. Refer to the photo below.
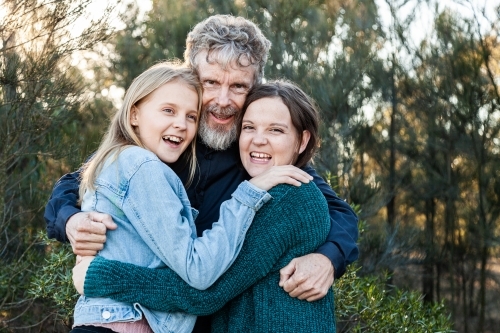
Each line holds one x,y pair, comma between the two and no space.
283,174
308,277
86,232
79,272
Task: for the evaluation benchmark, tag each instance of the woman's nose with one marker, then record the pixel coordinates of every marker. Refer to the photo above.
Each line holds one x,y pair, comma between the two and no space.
259,139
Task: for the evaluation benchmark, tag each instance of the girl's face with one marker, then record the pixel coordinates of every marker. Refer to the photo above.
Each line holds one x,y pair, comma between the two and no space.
268,137
166,120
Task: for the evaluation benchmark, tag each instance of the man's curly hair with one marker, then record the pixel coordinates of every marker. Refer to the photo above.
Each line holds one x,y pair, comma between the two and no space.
228,39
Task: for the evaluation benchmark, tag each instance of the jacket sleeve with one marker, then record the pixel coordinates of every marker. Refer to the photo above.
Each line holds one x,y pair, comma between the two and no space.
62,205
268,239
340,246
157,214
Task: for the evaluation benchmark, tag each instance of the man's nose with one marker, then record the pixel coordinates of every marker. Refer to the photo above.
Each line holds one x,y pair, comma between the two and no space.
223,98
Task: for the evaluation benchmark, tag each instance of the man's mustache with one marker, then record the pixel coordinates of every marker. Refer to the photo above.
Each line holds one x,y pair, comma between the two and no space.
225,112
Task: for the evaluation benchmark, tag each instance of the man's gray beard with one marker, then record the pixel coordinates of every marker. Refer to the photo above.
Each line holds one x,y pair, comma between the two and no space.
217,136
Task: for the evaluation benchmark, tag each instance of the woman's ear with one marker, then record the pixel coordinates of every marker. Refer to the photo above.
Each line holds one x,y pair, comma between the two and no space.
133,116
306,135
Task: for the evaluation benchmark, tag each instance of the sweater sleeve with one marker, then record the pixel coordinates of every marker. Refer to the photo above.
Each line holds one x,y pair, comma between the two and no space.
340,246
288,219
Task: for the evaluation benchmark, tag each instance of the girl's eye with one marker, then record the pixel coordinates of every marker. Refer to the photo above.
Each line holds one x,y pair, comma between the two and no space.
192,117
168,110
247,127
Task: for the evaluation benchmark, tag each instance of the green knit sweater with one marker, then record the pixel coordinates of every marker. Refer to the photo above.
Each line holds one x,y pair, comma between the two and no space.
247,297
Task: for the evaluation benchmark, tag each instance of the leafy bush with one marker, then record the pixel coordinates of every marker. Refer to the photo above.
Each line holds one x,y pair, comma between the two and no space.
366,304
363,304
53,281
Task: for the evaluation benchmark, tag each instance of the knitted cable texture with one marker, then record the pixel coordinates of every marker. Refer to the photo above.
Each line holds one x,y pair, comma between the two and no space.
247,297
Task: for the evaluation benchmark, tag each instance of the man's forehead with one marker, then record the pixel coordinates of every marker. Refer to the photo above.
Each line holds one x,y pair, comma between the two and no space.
217,69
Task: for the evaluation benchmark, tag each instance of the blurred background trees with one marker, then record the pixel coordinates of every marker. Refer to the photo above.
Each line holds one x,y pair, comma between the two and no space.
410,134
45,122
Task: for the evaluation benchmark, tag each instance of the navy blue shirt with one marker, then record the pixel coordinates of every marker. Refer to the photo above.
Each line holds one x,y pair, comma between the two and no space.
217,176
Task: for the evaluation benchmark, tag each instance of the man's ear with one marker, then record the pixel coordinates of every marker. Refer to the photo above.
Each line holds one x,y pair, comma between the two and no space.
306,135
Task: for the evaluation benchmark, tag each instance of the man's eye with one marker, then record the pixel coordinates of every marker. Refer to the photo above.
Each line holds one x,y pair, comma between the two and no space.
239,88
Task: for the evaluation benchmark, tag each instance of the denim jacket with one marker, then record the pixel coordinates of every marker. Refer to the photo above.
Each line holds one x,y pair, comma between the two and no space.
156,228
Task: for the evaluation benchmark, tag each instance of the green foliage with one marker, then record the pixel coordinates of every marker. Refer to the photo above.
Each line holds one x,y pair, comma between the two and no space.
53,280
44,116
367,304
430,147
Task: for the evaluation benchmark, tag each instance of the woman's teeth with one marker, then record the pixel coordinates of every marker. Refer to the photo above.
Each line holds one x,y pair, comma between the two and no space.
260,156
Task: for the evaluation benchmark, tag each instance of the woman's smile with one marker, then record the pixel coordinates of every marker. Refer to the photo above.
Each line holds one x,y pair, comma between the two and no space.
268,137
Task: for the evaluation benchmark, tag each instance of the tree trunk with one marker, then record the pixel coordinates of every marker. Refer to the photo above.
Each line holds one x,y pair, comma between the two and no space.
391,211
428,278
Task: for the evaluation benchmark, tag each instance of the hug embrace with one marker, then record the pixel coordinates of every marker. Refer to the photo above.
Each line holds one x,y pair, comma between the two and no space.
204,174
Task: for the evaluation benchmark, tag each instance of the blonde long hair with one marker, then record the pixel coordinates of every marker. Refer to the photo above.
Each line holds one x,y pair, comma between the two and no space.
120,132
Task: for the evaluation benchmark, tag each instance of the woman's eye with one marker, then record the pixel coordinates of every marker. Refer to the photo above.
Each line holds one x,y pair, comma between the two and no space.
247,127
277,130
168,110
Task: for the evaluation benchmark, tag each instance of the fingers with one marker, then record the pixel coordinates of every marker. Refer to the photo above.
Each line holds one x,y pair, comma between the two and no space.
284,174
311,278
304,289
300,175
286,272
86,232
87,249
103,218
91,228
291,286
292,172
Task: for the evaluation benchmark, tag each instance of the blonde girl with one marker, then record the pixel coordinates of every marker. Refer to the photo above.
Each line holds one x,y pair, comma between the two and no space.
129,179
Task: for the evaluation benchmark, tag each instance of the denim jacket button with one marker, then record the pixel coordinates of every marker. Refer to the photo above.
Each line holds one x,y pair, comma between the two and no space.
106,314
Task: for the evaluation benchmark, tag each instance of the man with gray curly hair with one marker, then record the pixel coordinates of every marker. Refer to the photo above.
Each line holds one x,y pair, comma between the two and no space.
229,54
229,50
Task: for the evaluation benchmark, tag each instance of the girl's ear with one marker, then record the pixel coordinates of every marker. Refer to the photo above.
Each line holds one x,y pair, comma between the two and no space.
306,135
133,116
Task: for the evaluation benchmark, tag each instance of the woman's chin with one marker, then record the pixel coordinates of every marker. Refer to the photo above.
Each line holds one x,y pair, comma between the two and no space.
257,170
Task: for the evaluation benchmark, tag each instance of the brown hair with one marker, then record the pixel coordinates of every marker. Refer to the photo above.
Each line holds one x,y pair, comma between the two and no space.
302,108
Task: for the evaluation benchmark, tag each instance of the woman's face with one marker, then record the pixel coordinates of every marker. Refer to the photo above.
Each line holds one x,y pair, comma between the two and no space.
268,137
166,120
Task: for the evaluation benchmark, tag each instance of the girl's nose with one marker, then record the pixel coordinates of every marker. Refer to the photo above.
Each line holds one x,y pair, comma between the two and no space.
180,122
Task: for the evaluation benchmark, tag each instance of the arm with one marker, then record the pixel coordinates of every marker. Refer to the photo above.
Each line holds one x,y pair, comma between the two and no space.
62,205
159,216
278,231
310,277
340,246
65,222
